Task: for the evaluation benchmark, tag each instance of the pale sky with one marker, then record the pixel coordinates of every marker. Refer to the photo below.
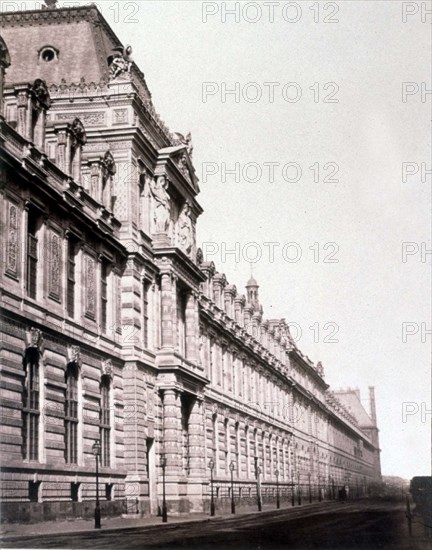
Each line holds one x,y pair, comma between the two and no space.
361,56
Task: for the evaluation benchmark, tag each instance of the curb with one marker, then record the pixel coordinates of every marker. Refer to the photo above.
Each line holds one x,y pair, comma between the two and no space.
175,522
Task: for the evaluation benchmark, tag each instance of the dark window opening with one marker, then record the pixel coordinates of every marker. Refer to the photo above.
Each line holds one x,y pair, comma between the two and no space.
104,295
109,491
105,427
34,489
75,492
70,291
32,254
71,414
31,412
48,54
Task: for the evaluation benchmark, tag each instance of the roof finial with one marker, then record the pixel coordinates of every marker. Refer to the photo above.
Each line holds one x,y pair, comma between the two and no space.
50,4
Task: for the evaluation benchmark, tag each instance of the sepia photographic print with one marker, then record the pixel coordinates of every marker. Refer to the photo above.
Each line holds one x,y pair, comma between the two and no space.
215,274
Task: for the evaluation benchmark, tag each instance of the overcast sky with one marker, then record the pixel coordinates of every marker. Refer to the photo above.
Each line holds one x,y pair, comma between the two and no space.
320,86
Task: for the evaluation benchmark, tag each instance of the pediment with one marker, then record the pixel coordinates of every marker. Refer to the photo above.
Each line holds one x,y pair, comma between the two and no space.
180,157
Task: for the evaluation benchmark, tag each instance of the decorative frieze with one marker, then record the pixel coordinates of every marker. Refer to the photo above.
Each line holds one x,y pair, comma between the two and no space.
94,118
12,244
90,286
55,262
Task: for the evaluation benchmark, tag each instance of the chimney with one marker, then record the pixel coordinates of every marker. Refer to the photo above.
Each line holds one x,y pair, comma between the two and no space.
372,404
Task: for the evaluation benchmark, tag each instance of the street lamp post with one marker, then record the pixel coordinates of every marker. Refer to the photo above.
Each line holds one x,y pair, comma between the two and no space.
277,489
298,489
97,514
348,485
319,489
333,488
163,462
292,489
257,475
232,468
310,488
212,502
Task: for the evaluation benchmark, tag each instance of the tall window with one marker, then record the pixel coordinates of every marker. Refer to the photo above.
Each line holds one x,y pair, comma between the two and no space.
105,426
31,406
32,254
234,378
211,360
146,291
71,414
181,321
215,442
237,449
227,445
104,295
186,406
71,277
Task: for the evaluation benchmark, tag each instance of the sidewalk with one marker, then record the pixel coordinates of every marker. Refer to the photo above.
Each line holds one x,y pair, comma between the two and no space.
81,526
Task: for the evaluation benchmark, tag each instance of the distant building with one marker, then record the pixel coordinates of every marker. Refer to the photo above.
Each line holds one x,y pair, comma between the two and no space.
113,327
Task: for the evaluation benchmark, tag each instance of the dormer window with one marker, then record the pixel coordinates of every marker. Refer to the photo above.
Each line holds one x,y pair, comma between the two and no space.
48,54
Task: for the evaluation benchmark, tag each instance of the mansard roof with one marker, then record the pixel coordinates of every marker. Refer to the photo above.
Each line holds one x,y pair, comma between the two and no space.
351,399
83,42
81,36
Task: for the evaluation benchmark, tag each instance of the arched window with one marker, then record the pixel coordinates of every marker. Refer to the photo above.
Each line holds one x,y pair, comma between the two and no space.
105,420
71,414
31,405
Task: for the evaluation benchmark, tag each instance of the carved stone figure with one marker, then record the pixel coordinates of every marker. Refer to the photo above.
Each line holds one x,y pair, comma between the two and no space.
40,90
187,141
162,205
107,368
185,229
50,4
109,165
74,355
78,133
120,62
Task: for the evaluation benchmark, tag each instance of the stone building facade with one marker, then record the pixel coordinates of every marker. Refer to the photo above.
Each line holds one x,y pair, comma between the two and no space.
115,330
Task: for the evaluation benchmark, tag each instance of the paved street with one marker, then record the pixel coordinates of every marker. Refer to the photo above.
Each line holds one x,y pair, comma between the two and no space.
327,526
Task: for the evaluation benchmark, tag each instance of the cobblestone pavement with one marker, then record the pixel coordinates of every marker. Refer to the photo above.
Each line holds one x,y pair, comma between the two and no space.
329,525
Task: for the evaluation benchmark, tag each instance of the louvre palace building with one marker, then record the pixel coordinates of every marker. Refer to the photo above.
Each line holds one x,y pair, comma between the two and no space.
115,330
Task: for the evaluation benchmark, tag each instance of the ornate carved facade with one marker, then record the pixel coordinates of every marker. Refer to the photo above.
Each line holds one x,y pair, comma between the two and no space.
113,327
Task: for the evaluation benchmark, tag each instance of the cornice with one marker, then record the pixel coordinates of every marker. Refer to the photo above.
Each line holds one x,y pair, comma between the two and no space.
174,260
47,16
